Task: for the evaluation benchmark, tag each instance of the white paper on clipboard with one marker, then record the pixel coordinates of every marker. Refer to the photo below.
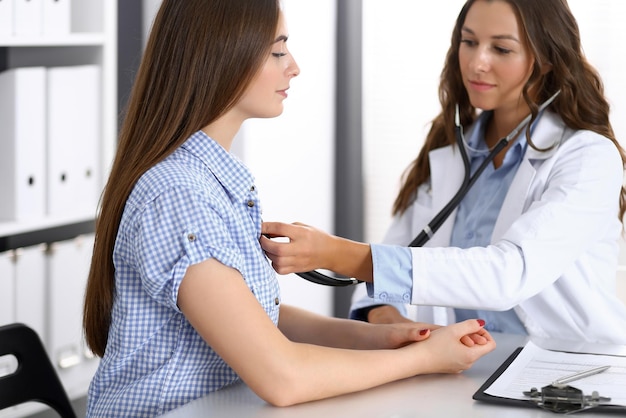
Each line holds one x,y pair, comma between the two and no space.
538,367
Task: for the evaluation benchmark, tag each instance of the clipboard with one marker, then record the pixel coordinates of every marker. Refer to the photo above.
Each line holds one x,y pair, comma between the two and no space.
481,395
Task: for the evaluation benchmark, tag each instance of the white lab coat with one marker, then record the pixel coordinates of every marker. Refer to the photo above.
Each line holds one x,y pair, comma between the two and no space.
554,250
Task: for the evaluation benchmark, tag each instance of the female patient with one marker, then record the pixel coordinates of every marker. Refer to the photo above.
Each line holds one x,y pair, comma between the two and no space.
181,300
533,246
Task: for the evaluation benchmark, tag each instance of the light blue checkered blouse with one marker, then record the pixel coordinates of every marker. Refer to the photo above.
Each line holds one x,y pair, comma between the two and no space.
199,203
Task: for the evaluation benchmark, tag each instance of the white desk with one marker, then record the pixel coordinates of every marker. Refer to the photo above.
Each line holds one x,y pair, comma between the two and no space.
445,396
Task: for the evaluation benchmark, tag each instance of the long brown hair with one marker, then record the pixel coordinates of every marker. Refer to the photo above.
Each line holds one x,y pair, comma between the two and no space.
200,58
552,37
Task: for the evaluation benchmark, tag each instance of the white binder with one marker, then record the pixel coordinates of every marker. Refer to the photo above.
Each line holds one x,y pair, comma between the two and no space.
73,172
7,288
68,266
56,17
6,17
22,143
8,364
30,287
28,17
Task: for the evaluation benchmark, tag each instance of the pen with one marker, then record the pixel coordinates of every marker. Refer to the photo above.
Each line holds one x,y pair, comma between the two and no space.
579,375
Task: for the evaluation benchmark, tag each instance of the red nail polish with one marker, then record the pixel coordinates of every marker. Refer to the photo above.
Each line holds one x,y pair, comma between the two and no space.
423,331
481,322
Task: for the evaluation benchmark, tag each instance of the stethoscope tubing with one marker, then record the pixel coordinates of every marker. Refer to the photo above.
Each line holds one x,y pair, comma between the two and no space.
438,220
434,225
468,181
319,278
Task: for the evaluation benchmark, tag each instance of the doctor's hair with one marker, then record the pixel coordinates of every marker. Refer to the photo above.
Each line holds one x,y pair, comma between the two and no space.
551,35
199,60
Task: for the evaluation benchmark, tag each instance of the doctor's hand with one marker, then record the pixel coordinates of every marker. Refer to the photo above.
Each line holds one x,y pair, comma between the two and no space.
302,250
305,248
387,314
447,351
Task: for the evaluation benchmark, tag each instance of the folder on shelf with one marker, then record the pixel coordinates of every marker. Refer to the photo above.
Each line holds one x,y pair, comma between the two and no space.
22,143
7,292
73,140
530,378
56,17
6,17
28,17
30,287
68,267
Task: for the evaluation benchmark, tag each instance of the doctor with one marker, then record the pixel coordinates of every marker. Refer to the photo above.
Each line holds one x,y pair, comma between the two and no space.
533,246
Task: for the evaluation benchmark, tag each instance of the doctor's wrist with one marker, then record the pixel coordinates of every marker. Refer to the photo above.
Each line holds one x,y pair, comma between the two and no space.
350,258
385,314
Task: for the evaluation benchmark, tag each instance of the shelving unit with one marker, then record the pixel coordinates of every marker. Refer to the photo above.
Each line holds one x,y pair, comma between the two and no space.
92,40
61,243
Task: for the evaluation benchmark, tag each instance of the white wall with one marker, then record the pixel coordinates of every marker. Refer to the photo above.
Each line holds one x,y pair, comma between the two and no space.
292,155
404,46
150,8
601,29
405,42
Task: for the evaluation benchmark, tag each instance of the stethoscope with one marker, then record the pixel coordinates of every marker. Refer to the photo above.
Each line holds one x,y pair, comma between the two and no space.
435,223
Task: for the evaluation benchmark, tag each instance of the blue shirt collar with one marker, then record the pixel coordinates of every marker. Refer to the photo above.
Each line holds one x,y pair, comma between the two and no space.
476,138
222,164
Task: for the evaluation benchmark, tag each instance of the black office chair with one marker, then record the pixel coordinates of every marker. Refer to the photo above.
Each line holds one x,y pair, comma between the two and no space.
35,378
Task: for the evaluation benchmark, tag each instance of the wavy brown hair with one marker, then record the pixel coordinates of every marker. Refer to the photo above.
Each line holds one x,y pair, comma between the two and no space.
552,37
200,58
